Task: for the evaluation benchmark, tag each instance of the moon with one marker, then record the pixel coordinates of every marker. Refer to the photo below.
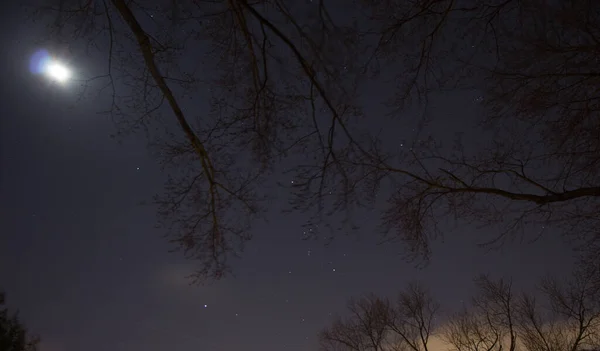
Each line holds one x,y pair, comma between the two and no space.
58,72
43,63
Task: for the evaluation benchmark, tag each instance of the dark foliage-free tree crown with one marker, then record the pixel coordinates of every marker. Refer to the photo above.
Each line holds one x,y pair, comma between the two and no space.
560,315
231,92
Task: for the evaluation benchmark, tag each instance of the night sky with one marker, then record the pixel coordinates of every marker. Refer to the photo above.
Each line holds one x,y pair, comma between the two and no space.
81,259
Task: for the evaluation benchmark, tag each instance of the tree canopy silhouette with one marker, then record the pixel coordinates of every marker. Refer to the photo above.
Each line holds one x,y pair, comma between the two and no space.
230,92
13,334
375,323
560,314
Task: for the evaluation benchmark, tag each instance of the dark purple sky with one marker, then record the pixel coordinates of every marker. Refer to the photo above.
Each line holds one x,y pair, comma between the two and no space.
80,258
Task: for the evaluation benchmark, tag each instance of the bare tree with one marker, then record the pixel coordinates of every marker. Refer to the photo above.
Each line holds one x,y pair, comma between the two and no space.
468,331
497,301
560,315
544,87
490,323
284,82
530,171
266,82
414,317
376,324
502,182
566,317
365,328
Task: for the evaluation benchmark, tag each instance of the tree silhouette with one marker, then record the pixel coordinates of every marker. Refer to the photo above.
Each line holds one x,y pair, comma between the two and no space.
284,83
567,317
376,324
470,332
13,335
490,323
365,329
559,315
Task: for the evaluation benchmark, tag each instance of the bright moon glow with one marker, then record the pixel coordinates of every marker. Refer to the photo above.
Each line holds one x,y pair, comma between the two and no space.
58,72
42,63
